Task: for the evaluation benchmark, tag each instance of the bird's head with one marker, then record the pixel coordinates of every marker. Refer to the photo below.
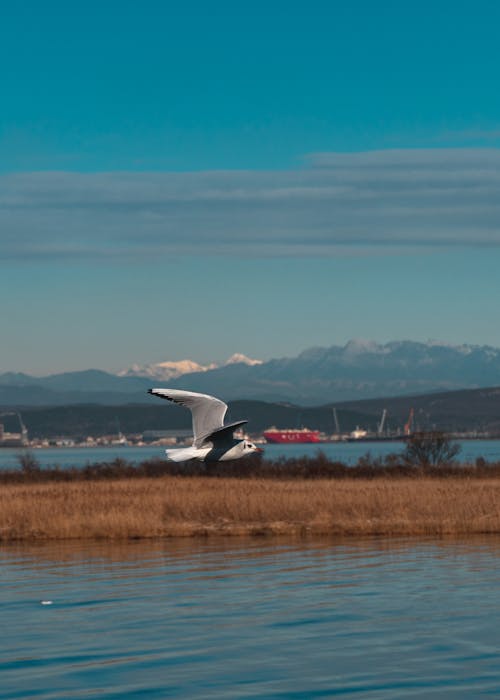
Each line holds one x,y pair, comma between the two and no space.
249,448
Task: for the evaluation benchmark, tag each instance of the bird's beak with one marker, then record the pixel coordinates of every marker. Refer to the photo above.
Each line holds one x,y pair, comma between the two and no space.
259,450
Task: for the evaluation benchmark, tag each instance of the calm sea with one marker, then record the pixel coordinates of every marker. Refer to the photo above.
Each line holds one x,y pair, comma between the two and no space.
236,619
348,452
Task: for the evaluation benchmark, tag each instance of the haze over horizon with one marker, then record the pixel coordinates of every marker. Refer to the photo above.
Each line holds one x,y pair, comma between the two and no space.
192,181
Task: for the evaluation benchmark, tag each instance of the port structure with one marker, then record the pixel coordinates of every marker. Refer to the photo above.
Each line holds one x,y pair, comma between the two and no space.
409,425
8,439
380,427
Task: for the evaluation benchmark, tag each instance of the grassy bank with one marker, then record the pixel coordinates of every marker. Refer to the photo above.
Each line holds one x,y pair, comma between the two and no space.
170,506
317,467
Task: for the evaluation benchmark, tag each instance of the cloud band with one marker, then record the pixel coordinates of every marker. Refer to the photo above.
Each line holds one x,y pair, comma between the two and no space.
337,202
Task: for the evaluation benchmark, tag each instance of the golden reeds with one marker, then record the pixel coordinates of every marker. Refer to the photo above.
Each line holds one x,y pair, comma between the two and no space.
184,506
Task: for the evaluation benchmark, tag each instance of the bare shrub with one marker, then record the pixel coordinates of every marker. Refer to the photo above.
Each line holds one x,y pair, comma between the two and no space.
28,462
430,449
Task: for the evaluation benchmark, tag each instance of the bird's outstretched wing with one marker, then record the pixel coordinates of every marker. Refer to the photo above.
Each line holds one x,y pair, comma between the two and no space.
207,411
224,434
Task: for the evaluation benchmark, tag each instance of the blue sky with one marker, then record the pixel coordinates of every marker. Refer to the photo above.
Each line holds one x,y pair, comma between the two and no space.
201,179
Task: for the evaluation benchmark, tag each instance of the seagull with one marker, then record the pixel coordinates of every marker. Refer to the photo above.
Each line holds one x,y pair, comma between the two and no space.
213,441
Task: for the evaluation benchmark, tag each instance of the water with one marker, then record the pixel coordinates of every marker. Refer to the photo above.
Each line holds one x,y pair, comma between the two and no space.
348,452
237,619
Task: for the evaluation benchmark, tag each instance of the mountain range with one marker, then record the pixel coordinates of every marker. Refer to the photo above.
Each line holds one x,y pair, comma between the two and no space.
355,371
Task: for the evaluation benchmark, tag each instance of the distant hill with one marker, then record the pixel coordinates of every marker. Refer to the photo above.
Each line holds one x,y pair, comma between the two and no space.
466,410
473,409
356,371
88,386
95,420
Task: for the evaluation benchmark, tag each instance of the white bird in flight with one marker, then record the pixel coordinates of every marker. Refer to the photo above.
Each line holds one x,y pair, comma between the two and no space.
213,441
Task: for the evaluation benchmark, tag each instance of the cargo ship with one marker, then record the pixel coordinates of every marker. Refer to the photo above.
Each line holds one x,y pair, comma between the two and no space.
290,435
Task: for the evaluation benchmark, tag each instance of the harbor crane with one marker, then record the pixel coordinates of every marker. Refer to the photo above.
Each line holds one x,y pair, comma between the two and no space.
23,432
336,419
409,425
380,427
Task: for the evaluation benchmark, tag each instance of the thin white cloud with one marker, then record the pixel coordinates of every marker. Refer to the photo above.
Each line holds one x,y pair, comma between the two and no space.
338,202
468,136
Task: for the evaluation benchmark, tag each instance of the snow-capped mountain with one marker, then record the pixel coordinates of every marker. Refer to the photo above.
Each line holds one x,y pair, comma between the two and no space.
239,359
165,370
171,369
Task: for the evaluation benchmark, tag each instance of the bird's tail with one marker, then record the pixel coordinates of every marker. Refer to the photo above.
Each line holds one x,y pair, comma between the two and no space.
181,454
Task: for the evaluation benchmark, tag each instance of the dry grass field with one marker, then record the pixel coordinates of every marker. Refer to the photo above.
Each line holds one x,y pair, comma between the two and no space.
168,506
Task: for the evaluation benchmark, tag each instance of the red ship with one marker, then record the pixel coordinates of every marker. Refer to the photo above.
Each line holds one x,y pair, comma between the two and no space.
289,435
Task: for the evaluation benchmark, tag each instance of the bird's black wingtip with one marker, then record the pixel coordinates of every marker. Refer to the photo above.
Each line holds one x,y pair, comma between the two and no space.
150,391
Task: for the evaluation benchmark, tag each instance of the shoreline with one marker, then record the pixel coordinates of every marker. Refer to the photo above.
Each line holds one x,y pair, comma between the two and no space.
204,506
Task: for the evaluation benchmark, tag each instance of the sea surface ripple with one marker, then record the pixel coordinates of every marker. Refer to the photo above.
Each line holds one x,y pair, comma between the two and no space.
265,618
